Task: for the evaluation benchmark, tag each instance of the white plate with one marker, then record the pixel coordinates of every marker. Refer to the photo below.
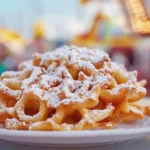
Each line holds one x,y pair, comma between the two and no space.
73,138
78,138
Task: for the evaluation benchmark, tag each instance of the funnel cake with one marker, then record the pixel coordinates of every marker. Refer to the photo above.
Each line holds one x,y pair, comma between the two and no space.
71,88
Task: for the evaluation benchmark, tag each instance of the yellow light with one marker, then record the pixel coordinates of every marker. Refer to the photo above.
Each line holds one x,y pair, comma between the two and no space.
139,20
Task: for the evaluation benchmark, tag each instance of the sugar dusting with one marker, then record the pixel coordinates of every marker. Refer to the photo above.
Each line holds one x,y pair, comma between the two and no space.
13,124
53,81
57,80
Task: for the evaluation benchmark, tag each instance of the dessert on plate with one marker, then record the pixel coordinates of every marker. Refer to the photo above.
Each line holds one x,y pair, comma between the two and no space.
71,88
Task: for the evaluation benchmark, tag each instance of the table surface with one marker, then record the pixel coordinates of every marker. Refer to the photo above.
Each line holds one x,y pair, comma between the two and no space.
140,144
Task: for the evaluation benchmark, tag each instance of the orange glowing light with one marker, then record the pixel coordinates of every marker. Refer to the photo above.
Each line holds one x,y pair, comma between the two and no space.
138,16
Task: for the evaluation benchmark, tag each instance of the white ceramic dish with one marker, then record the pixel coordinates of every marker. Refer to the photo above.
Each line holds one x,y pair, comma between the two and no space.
74,138
78,138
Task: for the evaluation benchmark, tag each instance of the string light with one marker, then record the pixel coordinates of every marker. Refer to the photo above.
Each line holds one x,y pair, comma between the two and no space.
139,19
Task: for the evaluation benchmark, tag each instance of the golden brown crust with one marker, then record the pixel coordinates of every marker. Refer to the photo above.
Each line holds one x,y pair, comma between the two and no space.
71,88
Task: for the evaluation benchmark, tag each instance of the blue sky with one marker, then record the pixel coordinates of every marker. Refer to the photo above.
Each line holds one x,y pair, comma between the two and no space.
20,14
51,6
14,5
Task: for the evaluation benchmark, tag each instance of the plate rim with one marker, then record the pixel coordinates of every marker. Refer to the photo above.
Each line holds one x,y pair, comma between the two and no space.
74,134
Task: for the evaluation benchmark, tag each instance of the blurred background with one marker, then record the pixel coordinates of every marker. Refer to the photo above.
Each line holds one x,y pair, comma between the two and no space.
119,27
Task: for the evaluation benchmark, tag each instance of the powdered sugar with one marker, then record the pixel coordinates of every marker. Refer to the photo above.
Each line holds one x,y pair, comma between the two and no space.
10,74
136,111
35,72
4,90
94,115
58,80
14,124
69,75
109,125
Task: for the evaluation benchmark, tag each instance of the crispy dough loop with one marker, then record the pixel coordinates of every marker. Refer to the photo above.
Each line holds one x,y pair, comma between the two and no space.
126,112
14,124
4,90
20,108
88,119
127,89
6,104
70,88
